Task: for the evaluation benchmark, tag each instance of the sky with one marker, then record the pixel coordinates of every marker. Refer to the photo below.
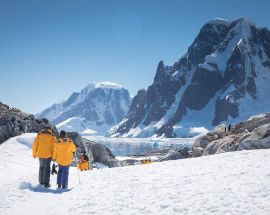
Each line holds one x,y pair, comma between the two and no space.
51,48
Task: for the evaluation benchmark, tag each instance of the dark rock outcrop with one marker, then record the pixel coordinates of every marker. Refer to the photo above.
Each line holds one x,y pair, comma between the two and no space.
102,154
14,122
175,154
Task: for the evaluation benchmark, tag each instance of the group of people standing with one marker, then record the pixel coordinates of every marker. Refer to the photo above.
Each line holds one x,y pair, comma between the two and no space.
228,129
48,148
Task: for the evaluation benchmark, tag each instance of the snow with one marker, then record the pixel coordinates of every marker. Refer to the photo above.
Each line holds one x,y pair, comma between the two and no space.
207,67
76,124
108,85
219,21
71,124
229,183
88,132
198,130
256,116
221,58
139,159
187,131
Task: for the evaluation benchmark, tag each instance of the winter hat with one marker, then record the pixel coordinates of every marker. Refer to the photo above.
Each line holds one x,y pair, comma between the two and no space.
47,127
63,134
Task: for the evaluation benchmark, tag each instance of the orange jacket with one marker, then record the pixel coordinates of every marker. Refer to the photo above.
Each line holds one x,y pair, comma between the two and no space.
43,145
63,151
83,165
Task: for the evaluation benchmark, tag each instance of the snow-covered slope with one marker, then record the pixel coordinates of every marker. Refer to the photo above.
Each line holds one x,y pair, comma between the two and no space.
77,124
230,183
94,110
223,78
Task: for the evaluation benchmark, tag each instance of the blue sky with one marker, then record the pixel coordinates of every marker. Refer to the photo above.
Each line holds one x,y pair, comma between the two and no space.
49,49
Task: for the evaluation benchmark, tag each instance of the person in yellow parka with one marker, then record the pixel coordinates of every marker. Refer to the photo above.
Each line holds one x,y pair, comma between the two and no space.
42,148
63,154
146,161
83,163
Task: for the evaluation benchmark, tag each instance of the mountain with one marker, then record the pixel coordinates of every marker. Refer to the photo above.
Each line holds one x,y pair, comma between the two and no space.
223,78
94,110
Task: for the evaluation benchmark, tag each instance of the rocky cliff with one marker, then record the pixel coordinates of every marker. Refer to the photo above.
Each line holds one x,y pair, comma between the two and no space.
14,122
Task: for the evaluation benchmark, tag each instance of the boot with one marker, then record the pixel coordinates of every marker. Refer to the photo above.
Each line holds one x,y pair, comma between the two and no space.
58,186
47,185
64,186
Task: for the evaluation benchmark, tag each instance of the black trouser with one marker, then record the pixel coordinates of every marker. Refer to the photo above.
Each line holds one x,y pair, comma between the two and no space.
44,170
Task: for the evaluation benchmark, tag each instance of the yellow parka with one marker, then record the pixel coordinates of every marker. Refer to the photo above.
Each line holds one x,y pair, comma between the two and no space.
63,151
83,165
146,161
43,145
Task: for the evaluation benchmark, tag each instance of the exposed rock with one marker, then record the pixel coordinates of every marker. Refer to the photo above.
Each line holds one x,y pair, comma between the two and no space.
14,122
102,154
259,139
219,146
172,155
251,134
175,154
77,139
200,144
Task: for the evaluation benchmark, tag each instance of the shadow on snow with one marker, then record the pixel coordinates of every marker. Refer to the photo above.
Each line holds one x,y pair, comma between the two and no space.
40,189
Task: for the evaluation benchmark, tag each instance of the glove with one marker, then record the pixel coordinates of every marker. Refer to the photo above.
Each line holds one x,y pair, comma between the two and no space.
54,171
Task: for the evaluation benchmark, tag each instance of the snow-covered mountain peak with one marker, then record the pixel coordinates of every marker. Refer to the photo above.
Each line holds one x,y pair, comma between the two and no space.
240,26
244,21
223,77
103,85
219,21
227,23
96,107
243,27
108,85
